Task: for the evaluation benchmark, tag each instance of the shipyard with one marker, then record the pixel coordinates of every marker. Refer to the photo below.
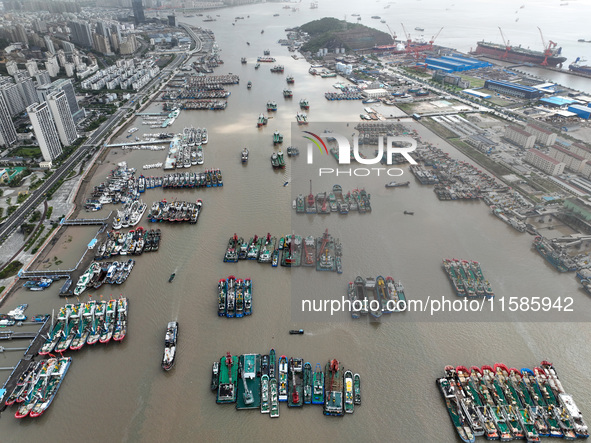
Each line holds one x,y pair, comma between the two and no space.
479,251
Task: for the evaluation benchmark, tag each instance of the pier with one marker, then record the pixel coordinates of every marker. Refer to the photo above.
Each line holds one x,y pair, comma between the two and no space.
152,114
86,221
140,143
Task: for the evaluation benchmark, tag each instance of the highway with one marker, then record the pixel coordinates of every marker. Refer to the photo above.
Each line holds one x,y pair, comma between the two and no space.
22,212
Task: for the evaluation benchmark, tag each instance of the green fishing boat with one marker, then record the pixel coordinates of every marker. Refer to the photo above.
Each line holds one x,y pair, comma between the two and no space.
265,395
228,377
349,404
307,383
249,387
357,389
274,413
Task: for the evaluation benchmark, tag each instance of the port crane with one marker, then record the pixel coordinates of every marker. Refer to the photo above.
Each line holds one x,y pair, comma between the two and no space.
434,38
506,43
547,49
393,34
408,39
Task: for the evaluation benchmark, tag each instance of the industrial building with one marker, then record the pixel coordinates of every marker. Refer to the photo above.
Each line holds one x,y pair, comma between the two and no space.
513,89
581,111
454,63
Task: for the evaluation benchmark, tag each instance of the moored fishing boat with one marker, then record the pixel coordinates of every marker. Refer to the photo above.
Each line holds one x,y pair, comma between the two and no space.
109,322
230,296
307,383
352,296
295,396
360,294
282,387
272,364
448,391
247,296
348,385
97,323
318,385
121,322
373,302
265,395
383,296
333,389
170,341
357,389
274,410
222,290
215,373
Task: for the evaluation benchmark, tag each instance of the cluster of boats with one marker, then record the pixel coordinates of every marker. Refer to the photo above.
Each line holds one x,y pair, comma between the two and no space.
277,138
343,96
304,104
262,121
278,69
292,151
98,274
505,404
325,253
87,323
187,156
467,278
255,381
211,178
287,93
120,187
177,211
135,242
277,160
130,215
335,201
37,386
376,296
423,175
444,192
561,261
38,284
234,297
14,316
302,118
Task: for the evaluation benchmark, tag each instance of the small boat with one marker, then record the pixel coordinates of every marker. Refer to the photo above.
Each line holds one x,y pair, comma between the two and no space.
349,404
357,389
171,278
245,155
249,85
396,184
296,331
409,213
170,345
215,375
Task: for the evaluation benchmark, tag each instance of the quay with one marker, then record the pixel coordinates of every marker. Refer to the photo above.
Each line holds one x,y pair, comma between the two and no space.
87,221
157,114
140,143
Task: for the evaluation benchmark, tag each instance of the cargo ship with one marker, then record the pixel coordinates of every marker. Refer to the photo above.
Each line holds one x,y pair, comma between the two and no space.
579,68
518,54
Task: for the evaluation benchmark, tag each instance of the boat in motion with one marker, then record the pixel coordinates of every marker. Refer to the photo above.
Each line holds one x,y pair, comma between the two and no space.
170,341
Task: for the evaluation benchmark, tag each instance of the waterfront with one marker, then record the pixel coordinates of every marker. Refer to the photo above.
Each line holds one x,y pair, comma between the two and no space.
122,387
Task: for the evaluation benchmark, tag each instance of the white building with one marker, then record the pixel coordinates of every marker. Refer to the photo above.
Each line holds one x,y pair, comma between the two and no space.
45,130
544,162
520,137
543,137
374,93
7,131
62,116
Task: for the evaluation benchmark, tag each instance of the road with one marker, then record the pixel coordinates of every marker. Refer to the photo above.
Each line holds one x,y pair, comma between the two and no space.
37,197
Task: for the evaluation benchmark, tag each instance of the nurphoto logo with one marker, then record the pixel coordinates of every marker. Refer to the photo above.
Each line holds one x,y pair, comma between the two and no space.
345,153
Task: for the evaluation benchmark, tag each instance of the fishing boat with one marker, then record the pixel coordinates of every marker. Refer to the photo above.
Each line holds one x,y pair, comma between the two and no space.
170,340
296,331
349,401
247,288
357,389
318,385
396,184
97,323
333,389
230,296
121,321
274,410
307,383
360,294
295,396
304,104
375,308
249,85
109,322
245,155
171,278
282,387
24,380
272,364
222,291
275,258
215,373
271,106
265,395
239,298
290,80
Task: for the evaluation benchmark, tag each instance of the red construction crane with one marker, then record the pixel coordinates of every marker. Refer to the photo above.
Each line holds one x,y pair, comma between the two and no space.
547,49
434,38
506,43
393,34
408,39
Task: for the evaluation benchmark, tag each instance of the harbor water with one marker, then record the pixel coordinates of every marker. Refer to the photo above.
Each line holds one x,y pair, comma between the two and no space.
119,392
